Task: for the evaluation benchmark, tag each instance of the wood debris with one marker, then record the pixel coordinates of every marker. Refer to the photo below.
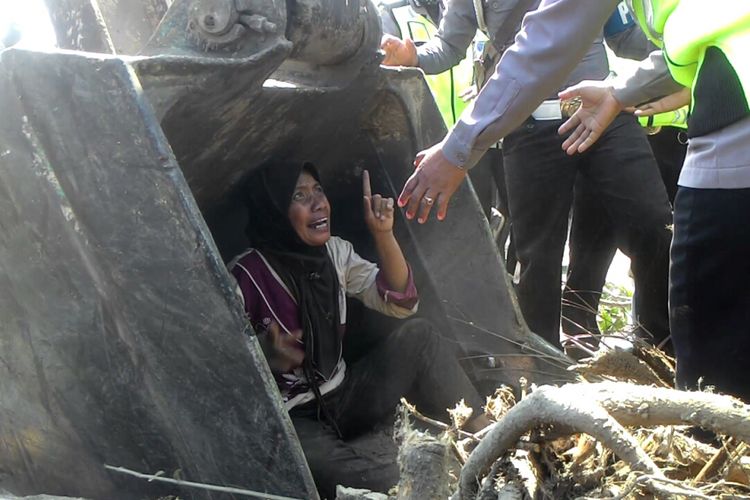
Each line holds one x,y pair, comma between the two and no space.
621,432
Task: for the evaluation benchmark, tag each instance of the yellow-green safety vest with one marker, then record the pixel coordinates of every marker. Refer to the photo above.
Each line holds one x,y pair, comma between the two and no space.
446,87
684,29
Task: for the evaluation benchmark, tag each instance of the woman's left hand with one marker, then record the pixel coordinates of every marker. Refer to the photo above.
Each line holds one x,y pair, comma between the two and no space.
378,210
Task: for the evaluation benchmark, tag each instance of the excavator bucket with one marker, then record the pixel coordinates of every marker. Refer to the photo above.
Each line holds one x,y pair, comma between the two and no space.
121,198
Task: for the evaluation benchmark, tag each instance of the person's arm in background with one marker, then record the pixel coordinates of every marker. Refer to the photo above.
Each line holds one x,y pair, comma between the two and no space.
552,41
627,40
672,102
602,101
457,29
651,81
625,37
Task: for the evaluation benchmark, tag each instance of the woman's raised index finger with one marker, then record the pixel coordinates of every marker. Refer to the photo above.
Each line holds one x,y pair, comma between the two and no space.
366,190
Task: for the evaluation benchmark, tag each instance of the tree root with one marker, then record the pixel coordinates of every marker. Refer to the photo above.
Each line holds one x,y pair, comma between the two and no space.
601,410
659,485
644,406
659,362
621,365
549,405
423,462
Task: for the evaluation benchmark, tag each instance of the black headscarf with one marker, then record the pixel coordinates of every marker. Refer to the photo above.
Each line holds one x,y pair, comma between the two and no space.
306,270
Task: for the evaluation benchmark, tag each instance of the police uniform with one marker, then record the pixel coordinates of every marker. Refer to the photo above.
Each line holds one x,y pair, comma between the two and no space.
593,241
705,49
540,176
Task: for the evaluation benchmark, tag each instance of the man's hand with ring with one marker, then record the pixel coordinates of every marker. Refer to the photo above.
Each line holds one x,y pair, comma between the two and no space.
433,182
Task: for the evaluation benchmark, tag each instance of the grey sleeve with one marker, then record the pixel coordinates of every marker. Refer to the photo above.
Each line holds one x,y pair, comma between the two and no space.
552,41
651,81
631,43
455,33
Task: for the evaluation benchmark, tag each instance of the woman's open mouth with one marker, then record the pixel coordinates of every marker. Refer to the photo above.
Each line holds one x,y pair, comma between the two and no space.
319,225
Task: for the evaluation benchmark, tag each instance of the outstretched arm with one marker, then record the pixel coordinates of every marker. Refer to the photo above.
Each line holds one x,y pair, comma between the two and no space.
599,107
456,31
552,40
601,101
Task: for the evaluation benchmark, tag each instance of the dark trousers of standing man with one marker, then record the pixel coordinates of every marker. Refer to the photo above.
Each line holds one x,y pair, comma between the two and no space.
710,289
593,240
540,179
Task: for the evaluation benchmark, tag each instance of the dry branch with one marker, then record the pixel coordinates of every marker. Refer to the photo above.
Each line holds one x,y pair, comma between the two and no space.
550,405
634,405
660,485
601,410
662,364
714,465
621,365
202,486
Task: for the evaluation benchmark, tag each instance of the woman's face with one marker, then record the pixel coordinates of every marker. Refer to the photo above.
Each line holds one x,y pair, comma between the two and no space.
309,211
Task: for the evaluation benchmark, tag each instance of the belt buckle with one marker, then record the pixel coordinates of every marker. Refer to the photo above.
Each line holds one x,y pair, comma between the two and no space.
568,107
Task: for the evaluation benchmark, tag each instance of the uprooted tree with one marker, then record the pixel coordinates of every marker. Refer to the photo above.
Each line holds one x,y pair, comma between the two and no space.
626,432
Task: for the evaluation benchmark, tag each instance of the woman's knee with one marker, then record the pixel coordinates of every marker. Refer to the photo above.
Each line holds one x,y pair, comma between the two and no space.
417,334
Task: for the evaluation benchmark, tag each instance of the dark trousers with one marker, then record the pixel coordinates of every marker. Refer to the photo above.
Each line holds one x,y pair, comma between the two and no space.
412,362
593,240
540,180
710,289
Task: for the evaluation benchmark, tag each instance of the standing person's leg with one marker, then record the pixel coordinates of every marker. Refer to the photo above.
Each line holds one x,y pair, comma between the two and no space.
540,179
624,170
710,289
592,246
481,181
593,240
504,238
669,150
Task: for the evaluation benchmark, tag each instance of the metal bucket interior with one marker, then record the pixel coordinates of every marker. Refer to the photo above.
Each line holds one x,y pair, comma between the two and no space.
121,186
